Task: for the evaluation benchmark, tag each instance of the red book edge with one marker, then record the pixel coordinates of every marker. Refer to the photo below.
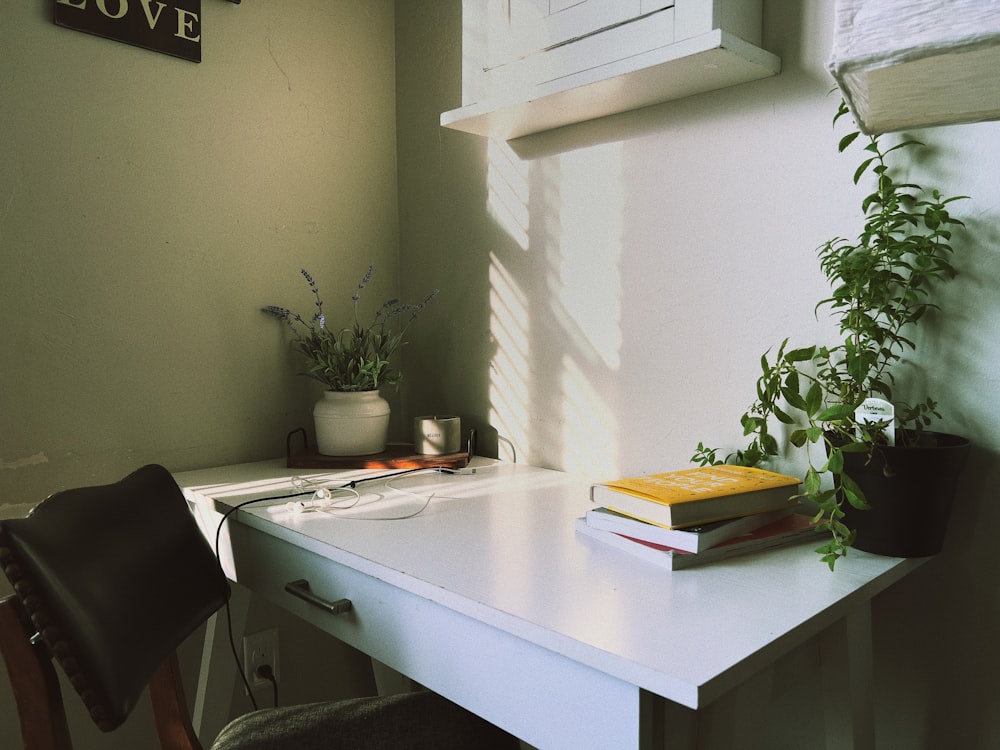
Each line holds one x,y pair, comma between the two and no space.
785,526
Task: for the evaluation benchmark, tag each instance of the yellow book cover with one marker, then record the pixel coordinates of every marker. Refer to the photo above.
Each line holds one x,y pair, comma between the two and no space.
699,495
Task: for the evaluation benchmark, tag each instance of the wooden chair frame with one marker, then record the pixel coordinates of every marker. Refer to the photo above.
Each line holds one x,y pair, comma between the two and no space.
39,701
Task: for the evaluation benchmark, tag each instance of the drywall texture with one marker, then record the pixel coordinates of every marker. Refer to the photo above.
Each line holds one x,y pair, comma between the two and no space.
607,289
611,286
149,207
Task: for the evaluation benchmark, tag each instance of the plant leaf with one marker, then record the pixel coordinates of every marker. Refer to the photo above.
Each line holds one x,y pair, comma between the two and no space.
854,494
835,413
847,140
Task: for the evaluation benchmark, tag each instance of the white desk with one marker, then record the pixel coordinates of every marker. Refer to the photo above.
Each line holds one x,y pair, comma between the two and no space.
490,598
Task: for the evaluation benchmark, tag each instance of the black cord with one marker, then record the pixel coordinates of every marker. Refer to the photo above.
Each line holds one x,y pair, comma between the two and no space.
225,581
265,671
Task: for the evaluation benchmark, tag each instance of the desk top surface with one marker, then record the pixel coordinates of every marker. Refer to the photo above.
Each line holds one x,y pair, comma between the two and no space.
500,546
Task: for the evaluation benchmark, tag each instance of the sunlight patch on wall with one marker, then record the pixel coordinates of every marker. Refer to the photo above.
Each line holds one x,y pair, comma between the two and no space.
555,315
590,429
507,187
585,292
585,279
509,370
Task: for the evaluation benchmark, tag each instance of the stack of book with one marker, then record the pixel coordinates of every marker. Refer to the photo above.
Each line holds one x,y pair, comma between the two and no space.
684,518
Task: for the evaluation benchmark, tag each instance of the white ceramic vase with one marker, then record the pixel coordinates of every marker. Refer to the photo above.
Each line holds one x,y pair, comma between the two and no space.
352,423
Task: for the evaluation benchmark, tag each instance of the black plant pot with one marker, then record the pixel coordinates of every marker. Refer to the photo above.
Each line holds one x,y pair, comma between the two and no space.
910,490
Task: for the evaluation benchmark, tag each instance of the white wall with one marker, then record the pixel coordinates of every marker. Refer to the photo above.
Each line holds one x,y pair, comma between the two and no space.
610,287
605,312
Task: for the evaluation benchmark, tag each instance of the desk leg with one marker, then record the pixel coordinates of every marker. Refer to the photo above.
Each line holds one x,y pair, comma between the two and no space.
390,682
665,725
218,673
846,654
736,721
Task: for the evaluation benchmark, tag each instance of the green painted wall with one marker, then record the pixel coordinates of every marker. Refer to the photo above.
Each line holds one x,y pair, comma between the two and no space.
150,206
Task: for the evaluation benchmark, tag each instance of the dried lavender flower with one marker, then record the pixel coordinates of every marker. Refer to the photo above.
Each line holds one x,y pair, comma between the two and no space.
355,357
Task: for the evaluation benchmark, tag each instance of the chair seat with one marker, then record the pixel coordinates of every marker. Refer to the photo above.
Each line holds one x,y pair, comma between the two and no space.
409,721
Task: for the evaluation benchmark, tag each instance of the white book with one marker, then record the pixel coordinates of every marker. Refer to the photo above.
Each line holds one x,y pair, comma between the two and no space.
691,539
792,528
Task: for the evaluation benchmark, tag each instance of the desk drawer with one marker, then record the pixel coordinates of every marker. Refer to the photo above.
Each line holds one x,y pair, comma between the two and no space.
378,614
542,697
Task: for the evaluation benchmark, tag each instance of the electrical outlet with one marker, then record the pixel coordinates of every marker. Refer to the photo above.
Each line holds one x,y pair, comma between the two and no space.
260,649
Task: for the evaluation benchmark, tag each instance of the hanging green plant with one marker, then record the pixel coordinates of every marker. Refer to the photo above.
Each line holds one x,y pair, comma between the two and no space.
882,285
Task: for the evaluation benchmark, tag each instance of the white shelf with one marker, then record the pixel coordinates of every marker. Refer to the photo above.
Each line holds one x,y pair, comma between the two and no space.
706,62
917,63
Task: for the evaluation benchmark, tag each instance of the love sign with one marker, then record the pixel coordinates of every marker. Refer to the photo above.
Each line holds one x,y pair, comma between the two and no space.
169,26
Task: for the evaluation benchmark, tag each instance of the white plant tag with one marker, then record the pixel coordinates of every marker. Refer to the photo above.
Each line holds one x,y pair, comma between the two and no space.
878,410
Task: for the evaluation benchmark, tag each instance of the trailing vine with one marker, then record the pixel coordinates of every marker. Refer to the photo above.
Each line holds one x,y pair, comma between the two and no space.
881,286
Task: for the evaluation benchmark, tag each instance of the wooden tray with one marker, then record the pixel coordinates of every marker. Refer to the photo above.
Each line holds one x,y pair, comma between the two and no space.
397,456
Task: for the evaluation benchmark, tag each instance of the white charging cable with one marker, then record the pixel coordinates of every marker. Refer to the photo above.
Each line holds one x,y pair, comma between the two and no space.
322,497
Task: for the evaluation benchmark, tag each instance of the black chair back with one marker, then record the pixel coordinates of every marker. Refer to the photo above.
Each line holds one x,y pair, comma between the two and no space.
114,578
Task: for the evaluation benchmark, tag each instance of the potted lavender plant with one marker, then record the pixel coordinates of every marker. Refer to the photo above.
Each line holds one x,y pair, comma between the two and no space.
353,362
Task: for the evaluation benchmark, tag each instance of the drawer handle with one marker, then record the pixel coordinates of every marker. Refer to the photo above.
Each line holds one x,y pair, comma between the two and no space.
300,588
